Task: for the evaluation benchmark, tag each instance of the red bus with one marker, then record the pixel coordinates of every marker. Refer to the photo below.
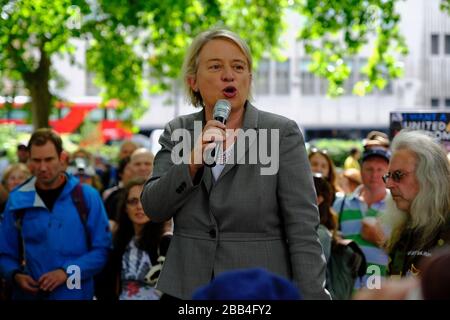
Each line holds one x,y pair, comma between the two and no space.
70,116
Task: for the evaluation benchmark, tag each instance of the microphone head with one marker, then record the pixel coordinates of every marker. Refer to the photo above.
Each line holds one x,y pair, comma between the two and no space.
222,110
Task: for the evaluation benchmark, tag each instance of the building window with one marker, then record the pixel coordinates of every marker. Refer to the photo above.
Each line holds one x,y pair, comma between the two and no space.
262,81
311,84
352,78
447,44
434,44
447,102
307,79
282,77
388,89
323,85
434,102
91,88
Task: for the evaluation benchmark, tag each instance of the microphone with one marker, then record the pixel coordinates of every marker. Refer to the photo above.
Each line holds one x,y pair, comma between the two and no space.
221,112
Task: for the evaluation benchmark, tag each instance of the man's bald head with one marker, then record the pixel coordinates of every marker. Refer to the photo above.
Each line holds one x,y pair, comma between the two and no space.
142,162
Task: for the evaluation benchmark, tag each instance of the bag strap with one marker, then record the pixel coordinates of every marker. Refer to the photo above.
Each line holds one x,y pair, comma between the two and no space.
80,204
340,212
362,262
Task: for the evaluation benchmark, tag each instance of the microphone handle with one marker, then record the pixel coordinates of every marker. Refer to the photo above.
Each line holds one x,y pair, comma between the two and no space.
221,119
215,152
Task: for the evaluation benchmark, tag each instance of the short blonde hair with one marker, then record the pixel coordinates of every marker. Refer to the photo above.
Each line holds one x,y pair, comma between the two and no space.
15,167
190,65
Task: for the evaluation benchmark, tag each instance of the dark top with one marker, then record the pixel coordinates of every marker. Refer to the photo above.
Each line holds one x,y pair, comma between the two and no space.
405,257
107,283
50,196
2,208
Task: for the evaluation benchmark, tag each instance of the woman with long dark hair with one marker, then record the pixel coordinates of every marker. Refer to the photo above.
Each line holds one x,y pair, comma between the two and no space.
139,248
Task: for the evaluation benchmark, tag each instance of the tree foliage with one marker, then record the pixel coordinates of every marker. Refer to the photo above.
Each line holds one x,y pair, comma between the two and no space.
336,30
30,33
337,149
445,5
124,36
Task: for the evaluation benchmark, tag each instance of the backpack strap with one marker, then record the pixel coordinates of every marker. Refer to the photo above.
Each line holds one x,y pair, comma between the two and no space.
80,204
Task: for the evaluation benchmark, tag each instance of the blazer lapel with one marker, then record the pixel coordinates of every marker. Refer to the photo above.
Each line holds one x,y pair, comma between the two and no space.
207,178
250,122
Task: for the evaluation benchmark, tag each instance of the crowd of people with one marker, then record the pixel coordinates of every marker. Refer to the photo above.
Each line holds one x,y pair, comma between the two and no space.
152,228
55,230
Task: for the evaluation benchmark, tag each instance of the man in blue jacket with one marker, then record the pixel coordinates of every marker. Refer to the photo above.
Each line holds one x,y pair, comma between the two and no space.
47,249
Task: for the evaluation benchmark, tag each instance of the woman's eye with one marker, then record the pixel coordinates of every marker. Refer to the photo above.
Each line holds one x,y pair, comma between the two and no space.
214,67
239,67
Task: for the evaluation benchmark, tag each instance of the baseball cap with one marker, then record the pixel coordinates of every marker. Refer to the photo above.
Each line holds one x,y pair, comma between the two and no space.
376,152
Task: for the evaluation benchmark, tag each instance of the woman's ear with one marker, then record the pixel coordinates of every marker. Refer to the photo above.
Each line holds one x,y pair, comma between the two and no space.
192,82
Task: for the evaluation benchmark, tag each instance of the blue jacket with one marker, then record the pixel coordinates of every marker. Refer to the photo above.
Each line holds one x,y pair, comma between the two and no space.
55,239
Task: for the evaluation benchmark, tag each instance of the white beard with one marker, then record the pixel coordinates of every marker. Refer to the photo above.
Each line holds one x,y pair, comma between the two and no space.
393,220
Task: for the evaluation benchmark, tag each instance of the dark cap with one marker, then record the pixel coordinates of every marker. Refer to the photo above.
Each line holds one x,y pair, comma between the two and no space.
376,152
22,146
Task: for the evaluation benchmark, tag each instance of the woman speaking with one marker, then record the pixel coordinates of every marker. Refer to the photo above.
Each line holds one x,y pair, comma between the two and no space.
244,209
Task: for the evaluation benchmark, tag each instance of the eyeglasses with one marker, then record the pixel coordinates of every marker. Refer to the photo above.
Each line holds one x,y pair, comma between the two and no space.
133,202
397,176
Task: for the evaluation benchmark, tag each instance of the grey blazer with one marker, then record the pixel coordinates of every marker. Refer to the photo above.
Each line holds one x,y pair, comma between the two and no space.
242,220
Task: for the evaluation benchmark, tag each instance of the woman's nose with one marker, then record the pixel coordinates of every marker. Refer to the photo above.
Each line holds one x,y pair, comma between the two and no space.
227,74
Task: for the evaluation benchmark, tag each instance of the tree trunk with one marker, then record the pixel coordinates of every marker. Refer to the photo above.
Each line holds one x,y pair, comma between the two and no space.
41,99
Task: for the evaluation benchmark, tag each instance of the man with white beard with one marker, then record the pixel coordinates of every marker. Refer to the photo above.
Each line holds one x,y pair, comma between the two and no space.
419,181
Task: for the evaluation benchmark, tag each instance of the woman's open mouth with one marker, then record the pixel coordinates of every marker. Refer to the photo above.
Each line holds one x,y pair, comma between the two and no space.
229,92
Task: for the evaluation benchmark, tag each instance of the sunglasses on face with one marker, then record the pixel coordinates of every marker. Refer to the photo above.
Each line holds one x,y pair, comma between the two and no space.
133,201
396,176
